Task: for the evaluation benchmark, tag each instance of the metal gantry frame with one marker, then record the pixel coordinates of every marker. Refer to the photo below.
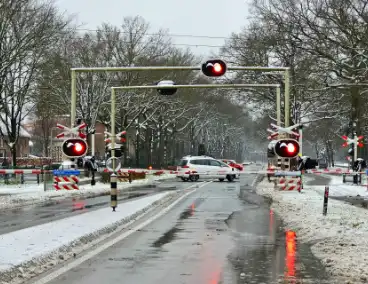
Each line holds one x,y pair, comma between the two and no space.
198,86
285,70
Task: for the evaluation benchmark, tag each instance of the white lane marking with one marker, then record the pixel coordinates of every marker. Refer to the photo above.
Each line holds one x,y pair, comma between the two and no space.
119,238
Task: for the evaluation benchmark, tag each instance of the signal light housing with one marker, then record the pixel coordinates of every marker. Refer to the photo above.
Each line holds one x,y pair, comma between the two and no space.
214,68
287,148
75,147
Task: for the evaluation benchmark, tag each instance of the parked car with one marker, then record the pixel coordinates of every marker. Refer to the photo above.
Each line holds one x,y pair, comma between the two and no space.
233,164
237,175
194,168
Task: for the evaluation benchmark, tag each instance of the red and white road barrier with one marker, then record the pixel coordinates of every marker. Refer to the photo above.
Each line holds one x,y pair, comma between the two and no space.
70,179
290,183
334,172
66,186
26,171
328,171
66,182
147,172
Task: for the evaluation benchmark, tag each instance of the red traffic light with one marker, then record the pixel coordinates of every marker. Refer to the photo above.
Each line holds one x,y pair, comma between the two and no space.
74,147
287,148
214,68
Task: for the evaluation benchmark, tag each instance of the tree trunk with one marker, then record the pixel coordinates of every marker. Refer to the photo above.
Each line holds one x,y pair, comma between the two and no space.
14,155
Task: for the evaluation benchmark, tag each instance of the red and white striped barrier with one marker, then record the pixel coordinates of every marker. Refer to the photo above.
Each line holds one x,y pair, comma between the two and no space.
66,186
66,182
59,179
328,171
290,183
334,172
26,171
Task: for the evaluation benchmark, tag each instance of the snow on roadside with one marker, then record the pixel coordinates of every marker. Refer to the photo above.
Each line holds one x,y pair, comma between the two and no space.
338,188
36,194
31,251
338,239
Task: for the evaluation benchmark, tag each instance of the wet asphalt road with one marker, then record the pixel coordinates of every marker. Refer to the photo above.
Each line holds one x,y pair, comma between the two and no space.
222,233
24,217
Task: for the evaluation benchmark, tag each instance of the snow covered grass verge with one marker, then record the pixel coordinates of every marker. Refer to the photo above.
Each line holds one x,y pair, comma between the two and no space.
36,195
339,239
40,248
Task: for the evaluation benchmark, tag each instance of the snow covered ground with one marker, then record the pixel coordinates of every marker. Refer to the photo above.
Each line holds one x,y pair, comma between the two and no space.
25,253
339,239
19,195
337,188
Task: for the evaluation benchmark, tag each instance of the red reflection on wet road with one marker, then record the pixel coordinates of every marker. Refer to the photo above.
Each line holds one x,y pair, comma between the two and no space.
215,277
192,209
271,223
79,205
290,256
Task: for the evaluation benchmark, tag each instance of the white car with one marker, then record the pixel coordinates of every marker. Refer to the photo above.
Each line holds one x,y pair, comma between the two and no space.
237,172
194,167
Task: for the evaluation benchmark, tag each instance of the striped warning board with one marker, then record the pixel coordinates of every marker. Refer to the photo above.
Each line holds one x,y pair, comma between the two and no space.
123,176
66,182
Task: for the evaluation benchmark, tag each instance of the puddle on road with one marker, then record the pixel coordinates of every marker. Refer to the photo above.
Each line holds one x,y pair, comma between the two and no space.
170,235
166,238
269,257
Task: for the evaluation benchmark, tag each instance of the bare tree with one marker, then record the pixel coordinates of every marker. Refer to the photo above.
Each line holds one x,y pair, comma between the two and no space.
28,28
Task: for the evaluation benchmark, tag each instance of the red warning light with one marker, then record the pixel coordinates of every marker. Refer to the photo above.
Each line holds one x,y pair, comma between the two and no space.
79,147
291,148
217,67
74,147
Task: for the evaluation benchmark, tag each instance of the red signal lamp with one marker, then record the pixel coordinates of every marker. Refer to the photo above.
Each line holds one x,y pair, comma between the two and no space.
214,68
74,147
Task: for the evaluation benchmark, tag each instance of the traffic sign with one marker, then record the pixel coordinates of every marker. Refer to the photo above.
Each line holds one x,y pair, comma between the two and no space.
110,164
120,137
71,131
284,130
349,141
66,172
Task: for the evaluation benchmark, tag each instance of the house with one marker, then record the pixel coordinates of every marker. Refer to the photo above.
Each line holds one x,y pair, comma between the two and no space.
22,147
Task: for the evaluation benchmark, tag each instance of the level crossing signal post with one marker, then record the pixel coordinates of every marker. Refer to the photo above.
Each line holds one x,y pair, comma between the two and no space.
355,142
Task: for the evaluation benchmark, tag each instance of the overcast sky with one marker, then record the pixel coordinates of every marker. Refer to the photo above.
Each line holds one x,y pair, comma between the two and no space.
206,18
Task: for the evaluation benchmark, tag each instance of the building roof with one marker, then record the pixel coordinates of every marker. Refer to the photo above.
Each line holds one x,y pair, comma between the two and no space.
22,131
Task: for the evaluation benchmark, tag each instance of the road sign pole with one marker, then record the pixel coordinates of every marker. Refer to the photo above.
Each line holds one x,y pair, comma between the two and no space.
287,97
112,120
355,138
114,191
355,147
74,96
301,140
278,105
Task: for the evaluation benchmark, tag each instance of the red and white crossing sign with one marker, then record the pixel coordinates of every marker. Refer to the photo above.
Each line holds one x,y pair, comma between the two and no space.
283,130
71,131
119,137
349,141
